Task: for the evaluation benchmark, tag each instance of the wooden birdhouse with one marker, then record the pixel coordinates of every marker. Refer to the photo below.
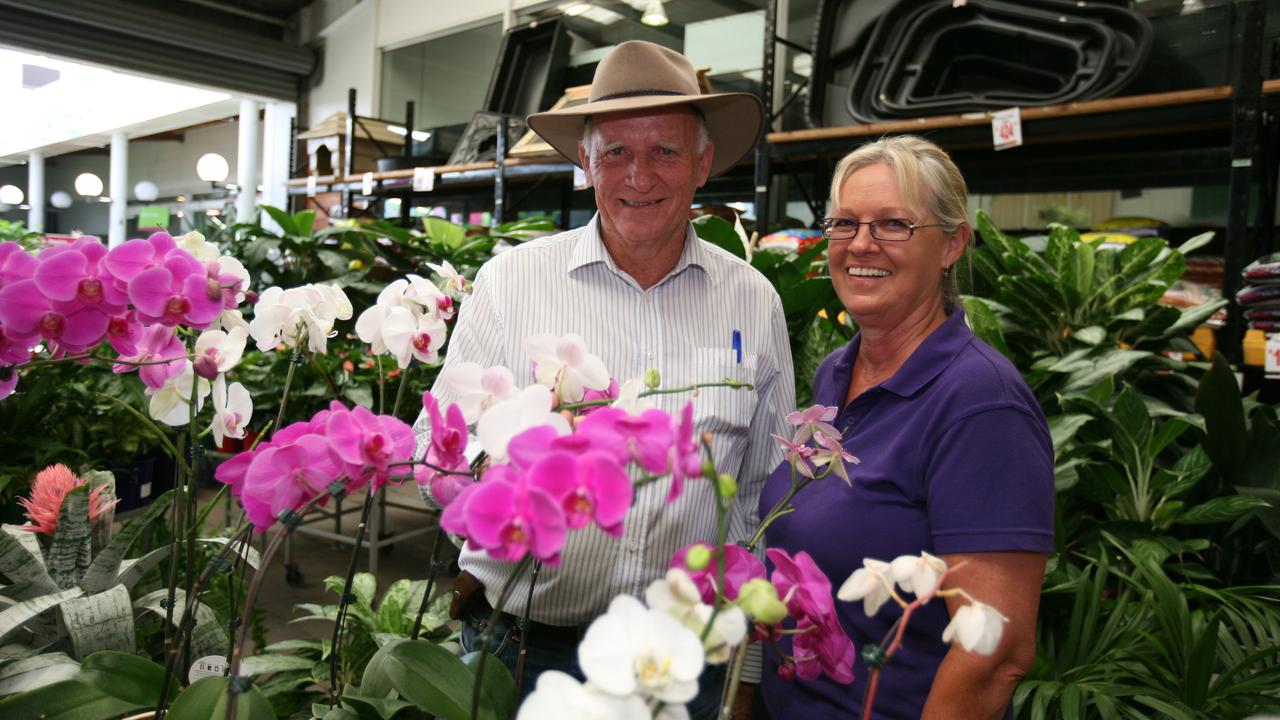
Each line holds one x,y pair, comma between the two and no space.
326,145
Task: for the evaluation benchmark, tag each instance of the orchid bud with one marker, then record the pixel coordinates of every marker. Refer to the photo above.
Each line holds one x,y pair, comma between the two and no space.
726,486
787,671
652,380
708,470
698,557
206,367
759,599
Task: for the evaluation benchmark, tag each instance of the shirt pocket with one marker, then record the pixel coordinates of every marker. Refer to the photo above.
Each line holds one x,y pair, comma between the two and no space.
723,409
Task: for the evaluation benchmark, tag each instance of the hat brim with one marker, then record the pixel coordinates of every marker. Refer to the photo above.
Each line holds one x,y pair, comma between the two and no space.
734,121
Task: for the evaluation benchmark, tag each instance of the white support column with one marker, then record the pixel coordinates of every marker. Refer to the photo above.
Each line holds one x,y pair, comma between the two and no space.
35,191
275,158
119,189
249,160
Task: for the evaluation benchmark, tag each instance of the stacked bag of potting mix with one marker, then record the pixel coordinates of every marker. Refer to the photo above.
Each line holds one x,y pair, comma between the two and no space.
1260,296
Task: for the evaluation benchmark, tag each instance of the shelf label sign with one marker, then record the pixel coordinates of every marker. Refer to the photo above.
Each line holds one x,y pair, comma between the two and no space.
366,184
1272,364
1006,128
311,186
424,179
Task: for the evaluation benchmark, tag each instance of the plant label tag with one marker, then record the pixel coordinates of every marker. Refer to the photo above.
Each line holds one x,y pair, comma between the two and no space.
424,179
1006,128
366,184
144,490
207,666
311,186
580,179
1272,363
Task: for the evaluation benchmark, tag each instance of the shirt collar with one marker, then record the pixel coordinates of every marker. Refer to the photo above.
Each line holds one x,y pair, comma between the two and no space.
927,362
590,249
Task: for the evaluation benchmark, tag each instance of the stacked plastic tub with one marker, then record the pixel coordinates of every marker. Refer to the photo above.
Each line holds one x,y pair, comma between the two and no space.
878,60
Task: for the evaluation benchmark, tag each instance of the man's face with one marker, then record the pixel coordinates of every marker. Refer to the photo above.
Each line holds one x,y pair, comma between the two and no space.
645,167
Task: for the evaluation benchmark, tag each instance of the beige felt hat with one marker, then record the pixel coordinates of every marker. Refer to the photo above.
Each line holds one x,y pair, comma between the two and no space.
639,74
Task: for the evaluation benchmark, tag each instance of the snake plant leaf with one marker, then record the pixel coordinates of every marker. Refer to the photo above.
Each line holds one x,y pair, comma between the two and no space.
33,672
206,699
104,571
103,621
207,637
243,549
18,615
22,561
71,551
132,570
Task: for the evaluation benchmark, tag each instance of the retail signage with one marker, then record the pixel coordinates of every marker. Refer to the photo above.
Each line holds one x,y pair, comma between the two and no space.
366,184
311,186
1006,128
153,216
1272,354
424,179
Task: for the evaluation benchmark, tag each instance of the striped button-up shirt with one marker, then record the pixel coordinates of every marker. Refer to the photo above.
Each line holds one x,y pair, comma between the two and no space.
684,327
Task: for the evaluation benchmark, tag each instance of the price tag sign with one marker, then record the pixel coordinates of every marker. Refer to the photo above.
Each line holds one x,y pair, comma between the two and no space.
1272,365
580,179
424,179
1006,128
311,186
366,184
207,666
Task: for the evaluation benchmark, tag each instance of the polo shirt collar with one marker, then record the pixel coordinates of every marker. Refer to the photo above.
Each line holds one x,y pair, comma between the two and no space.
590,249
926,363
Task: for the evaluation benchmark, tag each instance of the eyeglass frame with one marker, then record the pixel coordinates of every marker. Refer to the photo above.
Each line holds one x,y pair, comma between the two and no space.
827,223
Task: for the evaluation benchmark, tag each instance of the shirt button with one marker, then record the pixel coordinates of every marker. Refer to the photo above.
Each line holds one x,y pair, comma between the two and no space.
633,547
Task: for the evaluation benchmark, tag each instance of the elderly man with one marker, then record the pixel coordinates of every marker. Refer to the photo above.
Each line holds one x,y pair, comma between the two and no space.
645,293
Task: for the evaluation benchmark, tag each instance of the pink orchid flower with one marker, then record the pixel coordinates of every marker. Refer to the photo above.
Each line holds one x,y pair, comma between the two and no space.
530,445
14,347
232,472
157,343
508,518
647,437
814,420
833,452
609,393
686,459
284,478
76,274
802,586
177,292
447,451
821,647
798,454
8,382
124,331
740,566
127,260
15,264
24,310
368,442
589,487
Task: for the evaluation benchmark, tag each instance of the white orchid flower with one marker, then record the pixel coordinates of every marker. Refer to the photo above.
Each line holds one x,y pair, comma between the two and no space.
428,297
171,404
421,338
228,265
508,418
977,627
564,365
632,649
289,315
870,584
477,388
629,397
558,696
194,243
393,294
918,574
454,283
270,315
232,409
229,320
677,596
218,351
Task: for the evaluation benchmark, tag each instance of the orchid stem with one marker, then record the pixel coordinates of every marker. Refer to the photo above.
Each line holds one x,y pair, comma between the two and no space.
660,391
487,635
779,510
400,392
345,601
431,581
735,675
288,382
324,375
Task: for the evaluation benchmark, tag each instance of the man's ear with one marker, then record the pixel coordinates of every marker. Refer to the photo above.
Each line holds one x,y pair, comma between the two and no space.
585,162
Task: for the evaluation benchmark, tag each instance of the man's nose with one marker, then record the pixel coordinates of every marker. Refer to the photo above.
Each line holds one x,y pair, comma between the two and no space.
640,173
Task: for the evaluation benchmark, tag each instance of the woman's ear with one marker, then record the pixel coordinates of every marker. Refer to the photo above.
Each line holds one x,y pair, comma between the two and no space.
957,242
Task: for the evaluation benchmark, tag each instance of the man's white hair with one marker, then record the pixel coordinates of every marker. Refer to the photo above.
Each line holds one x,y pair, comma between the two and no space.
589,138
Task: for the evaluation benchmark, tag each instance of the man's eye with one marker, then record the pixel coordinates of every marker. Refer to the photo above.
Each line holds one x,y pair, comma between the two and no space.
614,151
667,151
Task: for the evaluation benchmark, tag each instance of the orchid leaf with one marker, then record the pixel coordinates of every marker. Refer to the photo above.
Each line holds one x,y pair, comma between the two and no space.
207,698
124,676
99,622
18,615
22,561
104,572
267,664
33,672
436,680
71,550
71,699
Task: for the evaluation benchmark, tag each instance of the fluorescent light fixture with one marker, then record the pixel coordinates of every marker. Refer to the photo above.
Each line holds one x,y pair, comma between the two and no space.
654,14
82,101
212,167
594,13
418,135
575,9
89,185
11,195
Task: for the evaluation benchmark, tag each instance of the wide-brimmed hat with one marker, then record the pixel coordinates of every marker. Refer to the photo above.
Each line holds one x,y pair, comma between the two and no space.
637,75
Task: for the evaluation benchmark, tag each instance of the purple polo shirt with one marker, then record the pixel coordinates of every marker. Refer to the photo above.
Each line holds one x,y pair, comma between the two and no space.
956,458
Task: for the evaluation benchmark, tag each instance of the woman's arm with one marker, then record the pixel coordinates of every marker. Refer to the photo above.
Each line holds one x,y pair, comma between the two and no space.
969,685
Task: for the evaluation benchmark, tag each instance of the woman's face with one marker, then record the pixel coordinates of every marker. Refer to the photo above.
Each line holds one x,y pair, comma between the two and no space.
886,284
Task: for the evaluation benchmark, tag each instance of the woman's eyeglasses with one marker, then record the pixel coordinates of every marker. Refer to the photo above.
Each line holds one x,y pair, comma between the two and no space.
885,230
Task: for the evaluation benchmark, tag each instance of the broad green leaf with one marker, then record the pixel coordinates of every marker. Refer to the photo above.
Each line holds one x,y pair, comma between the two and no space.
364,586
15,617
1111,363
1062,428
37,671
805,297
1220,510
124,676
1263,453
266,664
497,691
1079,273
985,324
207,698
103,572
371,706
303,222
433,679
1200,664
71,550
22,561
1169,430
103,621
245,550
285,646
1193,317
720,233
282,218
444,232
1218,400
375,680
69,699
1137,255
1091,335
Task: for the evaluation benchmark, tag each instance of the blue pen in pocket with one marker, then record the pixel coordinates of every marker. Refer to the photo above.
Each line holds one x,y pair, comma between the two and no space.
737,345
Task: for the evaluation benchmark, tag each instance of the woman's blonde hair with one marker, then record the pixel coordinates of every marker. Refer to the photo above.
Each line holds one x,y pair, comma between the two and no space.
928,181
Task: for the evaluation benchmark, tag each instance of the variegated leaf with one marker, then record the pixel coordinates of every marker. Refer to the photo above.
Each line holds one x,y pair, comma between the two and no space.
99,622
208,637
104,571
132,570
243,549
38,671
71,551
22,613
22,561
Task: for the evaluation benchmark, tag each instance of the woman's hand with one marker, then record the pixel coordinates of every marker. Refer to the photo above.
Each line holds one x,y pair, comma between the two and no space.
969,685
742,703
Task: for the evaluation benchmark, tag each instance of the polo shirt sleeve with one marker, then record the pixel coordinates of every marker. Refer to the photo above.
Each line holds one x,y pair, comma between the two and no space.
989,484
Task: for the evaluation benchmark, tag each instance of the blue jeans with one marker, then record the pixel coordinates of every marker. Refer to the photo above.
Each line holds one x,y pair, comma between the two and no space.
561,653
